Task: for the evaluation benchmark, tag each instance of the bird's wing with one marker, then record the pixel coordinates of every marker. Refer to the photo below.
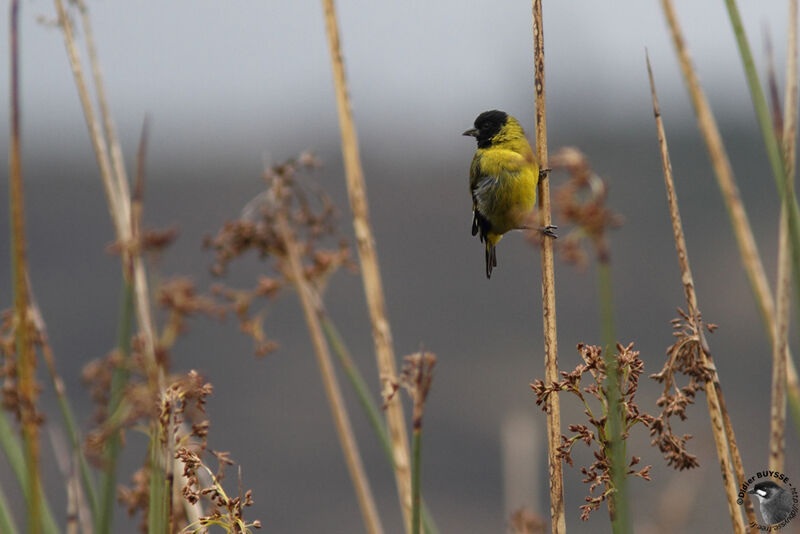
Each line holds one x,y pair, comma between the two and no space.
482,194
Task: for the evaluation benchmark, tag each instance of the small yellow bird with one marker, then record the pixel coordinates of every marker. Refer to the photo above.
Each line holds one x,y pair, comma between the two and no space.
502,180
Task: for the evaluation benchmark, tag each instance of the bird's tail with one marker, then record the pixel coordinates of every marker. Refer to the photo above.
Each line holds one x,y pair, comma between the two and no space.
491,253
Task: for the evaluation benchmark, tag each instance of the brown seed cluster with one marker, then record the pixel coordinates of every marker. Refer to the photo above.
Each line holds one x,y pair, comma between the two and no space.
313,218
226,512
683,358
581,202
13,398
416,378
629,369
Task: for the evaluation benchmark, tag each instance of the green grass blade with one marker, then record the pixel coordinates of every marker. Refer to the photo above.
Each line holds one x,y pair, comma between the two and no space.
119,379
771,143
157,513
11,447
776,161
7,524
367,403
620,521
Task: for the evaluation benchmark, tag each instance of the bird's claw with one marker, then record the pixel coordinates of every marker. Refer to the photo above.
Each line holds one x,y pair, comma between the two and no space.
548,231
544,173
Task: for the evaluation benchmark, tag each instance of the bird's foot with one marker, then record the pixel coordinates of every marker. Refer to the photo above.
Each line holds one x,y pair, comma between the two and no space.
544,173
548,231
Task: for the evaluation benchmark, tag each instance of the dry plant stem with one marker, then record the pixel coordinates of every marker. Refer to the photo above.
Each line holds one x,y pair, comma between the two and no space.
777,436
116,188
777,442
98,141
715,412
7,523
346,437
26,356
116,150
362,392
548,285
733,202
371,276
64,404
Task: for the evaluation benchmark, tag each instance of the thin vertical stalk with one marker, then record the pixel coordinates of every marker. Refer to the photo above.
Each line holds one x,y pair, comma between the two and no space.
63,403
26,356
11,447
416,478
548,285
370,271
159,496
119,378
344,429
768,132
7,523
714,409
116,187
777,442
743,232
618,501
364,398
606,304
777,435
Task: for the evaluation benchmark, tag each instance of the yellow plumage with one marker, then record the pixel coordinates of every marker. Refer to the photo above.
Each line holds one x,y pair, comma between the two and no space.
502,179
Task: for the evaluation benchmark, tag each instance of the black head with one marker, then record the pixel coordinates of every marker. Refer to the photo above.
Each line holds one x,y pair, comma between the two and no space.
487,125
766,490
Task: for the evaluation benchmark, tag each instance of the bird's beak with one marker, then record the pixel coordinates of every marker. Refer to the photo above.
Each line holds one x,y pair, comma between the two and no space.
751,491
472,133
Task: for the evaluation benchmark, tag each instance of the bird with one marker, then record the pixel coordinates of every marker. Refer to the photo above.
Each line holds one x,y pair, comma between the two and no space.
502,180
775,501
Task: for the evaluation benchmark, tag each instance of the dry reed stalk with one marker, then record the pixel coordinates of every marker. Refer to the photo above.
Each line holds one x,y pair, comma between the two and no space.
347,439
714,409
557,516
777,435
370,271
777,441
26,356
743,232
115,182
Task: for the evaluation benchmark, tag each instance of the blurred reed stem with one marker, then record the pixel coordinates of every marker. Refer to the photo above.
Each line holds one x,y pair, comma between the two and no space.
26,355
119,379
7,524
557,516
341,419
743,232
712,389
159,496
777,442
67,412
370,270
115,185
618,500
364,398
12,448
416,477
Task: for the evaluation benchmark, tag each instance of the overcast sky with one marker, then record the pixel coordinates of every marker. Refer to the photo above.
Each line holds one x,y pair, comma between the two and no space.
247,76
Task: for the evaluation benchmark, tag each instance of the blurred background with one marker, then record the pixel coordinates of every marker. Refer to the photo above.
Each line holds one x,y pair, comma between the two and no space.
230,86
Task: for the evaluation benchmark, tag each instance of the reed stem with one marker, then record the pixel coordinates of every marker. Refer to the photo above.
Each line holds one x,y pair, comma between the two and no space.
557,515
370,270
344,429
743,232
26,356
718,426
